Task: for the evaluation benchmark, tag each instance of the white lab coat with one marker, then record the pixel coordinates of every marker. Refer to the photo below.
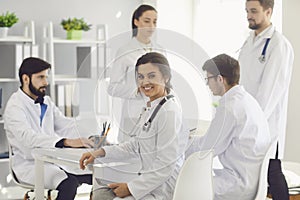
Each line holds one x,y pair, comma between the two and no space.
239,136
269,81
161,152
24,133
123,85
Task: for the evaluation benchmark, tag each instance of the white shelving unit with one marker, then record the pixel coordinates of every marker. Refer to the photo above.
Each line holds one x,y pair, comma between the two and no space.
10,63
28,38
50,43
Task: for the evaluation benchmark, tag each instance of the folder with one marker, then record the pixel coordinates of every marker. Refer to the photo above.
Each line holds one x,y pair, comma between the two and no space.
68,100
60,97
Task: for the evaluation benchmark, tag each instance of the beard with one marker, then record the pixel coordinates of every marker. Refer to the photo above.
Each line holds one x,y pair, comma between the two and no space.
254,25
36,91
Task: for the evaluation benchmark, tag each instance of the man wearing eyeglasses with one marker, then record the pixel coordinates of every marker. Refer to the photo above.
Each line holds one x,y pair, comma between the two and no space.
266,60
238,135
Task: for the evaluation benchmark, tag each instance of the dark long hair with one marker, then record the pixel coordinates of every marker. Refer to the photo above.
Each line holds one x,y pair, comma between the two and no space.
136,15
161,62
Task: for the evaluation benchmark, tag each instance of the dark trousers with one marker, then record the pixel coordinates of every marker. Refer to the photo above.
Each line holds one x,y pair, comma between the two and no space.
67,188
277,184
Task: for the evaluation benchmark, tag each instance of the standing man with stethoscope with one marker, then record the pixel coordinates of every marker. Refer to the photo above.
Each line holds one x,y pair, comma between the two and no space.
266,60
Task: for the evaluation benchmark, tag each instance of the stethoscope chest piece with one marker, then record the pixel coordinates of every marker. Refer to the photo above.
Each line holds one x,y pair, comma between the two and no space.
146,126
262,57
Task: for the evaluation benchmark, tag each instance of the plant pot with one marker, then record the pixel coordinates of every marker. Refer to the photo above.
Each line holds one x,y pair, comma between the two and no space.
3,32
74,35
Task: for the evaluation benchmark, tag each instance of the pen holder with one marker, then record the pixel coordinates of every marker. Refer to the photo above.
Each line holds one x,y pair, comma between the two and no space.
99,141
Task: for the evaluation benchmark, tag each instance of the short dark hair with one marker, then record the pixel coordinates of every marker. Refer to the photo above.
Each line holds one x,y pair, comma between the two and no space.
265,3
32,65
136,15
161,62
225,66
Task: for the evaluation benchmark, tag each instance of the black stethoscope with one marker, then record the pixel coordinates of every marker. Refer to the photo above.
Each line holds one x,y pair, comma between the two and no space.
147,125
262,57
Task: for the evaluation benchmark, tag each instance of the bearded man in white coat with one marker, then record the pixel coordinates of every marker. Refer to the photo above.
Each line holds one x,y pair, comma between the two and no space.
31,120
266,60
238,135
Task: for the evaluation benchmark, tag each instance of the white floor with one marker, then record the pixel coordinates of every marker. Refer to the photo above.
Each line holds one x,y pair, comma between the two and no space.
17,193
9,190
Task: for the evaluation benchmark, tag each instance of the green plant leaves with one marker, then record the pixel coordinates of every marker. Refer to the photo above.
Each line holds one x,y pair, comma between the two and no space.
8,19
75,24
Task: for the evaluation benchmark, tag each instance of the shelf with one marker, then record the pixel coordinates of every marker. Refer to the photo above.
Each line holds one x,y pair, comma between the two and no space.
16,39
9,80
66,78
27,37
82,41
4,160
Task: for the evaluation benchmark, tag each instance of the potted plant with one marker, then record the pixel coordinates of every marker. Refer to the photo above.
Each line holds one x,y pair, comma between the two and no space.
74,27
6,21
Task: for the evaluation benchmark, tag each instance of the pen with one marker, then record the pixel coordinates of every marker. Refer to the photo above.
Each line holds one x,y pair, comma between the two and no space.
108,128
103,128
104,137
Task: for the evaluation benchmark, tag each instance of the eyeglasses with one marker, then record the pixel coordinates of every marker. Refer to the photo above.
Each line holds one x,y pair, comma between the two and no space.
207,78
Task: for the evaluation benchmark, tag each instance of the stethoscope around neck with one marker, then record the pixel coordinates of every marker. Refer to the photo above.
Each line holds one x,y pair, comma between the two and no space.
262,57
147,125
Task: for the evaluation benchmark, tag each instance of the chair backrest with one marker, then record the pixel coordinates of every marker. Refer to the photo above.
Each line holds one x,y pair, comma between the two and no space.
195,177
291,166
262,189
14,177
291,171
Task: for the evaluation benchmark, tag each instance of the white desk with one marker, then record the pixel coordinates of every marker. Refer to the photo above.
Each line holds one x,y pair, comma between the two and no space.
105,169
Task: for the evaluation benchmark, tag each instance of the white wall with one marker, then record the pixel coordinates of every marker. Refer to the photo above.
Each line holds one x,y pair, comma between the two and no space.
176,15
175,18
94,11
292,31
220,26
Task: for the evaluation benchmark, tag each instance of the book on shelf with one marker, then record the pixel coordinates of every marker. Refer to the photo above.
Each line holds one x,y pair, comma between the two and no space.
60,97
75,100
0,98
0,103
67,99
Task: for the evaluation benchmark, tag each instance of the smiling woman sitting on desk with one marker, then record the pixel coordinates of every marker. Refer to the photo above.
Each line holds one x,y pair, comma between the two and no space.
160,136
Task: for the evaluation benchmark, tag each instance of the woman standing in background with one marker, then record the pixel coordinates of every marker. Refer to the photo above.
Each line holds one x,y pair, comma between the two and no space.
122,77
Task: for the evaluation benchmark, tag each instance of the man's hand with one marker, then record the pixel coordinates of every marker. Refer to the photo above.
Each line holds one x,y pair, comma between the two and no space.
120,189
79,142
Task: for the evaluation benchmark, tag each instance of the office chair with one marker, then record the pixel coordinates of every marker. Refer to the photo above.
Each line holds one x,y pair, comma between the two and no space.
20,184
195,177
291,171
